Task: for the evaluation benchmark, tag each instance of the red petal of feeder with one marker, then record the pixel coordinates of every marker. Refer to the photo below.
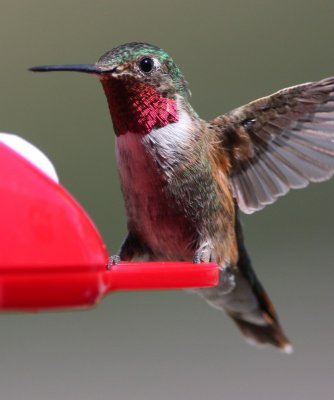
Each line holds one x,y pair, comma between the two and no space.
161,275
52,256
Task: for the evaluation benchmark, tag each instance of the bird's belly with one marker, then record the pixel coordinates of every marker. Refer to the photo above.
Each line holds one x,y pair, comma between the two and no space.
152,213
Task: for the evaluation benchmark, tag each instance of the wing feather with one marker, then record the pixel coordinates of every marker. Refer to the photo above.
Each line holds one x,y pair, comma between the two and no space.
279,142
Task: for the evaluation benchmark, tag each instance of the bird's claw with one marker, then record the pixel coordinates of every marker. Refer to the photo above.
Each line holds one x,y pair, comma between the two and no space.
113,260
198,258
203,254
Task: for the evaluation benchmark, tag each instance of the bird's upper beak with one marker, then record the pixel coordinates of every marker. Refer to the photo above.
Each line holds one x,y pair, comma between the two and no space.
86,68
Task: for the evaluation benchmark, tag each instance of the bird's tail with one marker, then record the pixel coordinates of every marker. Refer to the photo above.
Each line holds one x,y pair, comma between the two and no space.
249,305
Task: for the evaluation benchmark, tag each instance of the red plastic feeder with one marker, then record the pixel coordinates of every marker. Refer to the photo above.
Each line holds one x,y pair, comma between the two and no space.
52,256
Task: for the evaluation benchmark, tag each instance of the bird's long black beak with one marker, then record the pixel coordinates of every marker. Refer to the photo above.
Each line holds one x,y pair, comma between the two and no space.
86,68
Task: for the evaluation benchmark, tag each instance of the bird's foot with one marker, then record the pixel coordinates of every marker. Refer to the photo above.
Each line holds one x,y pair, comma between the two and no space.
113,260
203,254
227,281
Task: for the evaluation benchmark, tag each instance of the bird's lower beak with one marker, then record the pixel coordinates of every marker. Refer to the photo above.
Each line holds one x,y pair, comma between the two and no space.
86,68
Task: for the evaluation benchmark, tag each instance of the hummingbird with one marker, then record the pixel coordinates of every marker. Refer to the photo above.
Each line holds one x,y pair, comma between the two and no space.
185,181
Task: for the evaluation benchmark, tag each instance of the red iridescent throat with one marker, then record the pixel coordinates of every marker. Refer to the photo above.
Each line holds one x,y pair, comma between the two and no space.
137,107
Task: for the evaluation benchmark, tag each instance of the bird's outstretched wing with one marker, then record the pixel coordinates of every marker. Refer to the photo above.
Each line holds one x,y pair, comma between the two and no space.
278,142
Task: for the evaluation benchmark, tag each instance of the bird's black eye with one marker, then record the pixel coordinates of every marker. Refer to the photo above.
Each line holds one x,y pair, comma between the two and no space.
146,65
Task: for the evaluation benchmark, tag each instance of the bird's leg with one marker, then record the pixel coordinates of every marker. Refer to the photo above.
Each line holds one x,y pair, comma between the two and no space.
132,249
205,254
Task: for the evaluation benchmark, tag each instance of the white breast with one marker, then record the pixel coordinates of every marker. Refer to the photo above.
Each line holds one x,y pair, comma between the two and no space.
169,144
163,147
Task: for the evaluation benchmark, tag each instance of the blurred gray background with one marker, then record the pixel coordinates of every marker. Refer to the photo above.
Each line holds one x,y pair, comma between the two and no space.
169,345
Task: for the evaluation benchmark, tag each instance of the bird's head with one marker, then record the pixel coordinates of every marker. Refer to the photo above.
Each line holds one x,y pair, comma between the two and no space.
143,85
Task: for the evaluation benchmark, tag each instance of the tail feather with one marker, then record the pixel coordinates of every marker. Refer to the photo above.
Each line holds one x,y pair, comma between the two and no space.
269,330
248,304
266,334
